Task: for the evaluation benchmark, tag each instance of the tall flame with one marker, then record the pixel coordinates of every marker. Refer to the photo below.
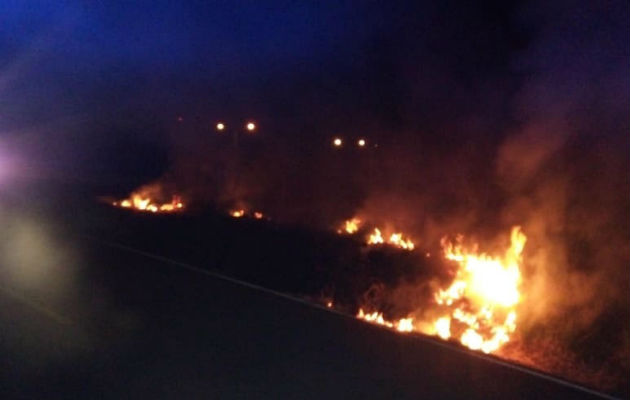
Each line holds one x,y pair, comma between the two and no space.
483,296
479,307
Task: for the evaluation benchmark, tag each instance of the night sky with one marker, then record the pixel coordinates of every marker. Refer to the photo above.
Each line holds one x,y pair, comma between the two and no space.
469,101
83,81
485,115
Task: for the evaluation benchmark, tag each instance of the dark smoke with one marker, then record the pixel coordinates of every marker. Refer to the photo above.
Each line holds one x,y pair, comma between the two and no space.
565,170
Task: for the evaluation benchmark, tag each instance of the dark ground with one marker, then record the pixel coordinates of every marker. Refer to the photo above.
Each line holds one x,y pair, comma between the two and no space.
106,322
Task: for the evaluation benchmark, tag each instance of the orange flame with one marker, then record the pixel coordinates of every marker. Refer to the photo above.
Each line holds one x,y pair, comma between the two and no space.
479,306
402,325
483,296
350,226
395,239
140,202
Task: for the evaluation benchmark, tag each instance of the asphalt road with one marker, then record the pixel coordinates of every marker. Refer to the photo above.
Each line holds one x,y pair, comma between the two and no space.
79,319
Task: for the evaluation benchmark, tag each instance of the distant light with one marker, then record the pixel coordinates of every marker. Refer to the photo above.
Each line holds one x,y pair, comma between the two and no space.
361,142
220,126
250,126
337,142
180,119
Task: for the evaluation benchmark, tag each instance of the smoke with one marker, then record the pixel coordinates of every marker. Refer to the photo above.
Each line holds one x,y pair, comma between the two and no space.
559,169
564,170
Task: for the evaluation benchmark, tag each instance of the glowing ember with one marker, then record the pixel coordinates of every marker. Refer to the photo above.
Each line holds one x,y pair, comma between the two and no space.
350,226
258,215
479,306
395,239
142,202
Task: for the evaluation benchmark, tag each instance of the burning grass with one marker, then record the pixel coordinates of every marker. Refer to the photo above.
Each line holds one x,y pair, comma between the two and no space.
377,237
149,198
478,308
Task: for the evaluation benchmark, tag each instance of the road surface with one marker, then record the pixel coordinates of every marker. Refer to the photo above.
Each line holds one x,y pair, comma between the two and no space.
82,319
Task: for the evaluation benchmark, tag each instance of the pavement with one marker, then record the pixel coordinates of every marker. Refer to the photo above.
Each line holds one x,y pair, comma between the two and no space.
82,319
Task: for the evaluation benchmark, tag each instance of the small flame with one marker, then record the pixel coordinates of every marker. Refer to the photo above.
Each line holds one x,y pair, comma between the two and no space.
350,226
395,239
375,237
258,215
143,202
402,325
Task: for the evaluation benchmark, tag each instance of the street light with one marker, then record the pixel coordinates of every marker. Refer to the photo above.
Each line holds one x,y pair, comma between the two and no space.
220,126
337,142
361,142
250,126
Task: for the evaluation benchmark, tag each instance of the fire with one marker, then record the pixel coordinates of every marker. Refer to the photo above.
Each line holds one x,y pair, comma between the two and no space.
479,307
241,212
483,296
443,327
143,202
376,237
395,239
350,226
402,325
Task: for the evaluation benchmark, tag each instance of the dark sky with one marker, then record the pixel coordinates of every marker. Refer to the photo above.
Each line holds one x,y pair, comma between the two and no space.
78,79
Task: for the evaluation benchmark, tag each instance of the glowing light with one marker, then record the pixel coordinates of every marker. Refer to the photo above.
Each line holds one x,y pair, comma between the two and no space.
479,307
483,296
141,201
337,142
361,142
350,226
443,327
237,213
402,325
375,237
395,239
250,126
258,215
220,126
